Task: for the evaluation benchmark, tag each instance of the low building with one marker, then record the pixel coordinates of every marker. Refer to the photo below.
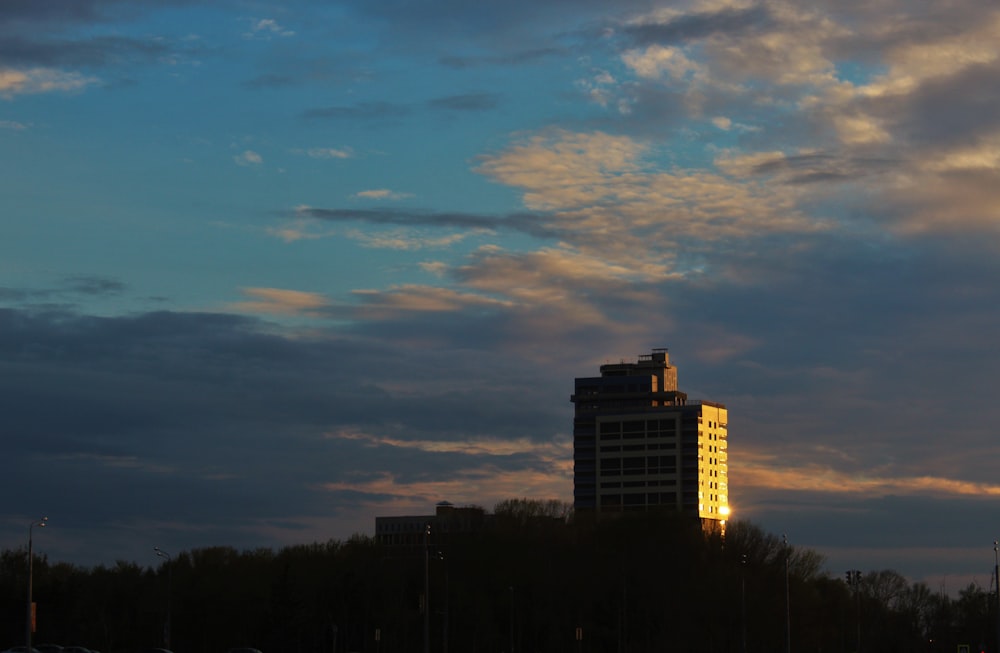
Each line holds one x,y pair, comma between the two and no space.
411,531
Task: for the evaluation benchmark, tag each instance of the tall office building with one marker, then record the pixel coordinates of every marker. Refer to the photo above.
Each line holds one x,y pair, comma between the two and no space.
639,444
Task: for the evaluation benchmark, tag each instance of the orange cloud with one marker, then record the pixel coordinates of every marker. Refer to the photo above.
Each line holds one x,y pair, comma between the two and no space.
765,472
480,481
280,301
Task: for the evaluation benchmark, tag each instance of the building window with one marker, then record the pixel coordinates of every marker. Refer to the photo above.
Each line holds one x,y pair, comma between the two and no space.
634,427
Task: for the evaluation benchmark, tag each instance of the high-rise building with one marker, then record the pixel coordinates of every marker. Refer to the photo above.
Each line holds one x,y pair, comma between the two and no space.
639,444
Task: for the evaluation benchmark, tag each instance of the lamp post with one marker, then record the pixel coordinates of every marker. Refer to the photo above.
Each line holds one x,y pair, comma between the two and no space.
743,601
166,626
29,619
427,588
511,619
444,626
854,581
788,605
996,578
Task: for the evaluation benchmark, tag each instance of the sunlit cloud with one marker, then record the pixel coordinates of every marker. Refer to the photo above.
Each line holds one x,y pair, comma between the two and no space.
280,301
481,480
381,194
300,230
657,61
723,123
609,199
13,125
34,81
757,471
564,265
248,158
437,268
564,170
860,129
599,87
329,153
554,450
483,486
912,63
266,28
982,156
401,299
404,240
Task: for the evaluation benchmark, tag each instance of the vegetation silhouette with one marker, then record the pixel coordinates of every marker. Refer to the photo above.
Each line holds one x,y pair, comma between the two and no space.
534,579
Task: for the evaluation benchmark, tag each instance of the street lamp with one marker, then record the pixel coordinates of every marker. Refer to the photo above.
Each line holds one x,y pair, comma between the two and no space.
996,578
511,619
166,627
30,622
854,581
444,626
427,588
788,605
743,601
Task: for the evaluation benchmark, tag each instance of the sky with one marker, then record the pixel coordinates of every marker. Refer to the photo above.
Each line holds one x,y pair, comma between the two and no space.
271,269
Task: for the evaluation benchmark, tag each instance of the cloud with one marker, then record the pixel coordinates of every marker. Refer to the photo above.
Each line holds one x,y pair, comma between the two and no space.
768,472
876,99
13,125
404,240
381,194
604,195
481,474
521,222
266,28
68,289
556,452
410,298
280,301
329,153
942,54
655,61
19,50
35,81
94,285
299,230
437,268
674,27
248,158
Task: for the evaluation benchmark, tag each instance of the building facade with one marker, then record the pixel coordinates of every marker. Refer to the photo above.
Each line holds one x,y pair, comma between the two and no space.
639,444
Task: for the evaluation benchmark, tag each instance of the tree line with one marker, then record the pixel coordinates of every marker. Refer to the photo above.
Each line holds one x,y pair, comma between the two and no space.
535,579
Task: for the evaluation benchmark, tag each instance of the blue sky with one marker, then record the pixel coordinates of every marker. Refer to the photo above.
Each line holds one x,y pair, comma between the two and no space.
268,270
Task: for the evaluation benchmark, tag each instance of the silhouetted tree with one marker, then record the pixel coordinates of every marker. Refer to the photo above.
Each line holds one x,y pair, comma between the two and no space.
527,579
